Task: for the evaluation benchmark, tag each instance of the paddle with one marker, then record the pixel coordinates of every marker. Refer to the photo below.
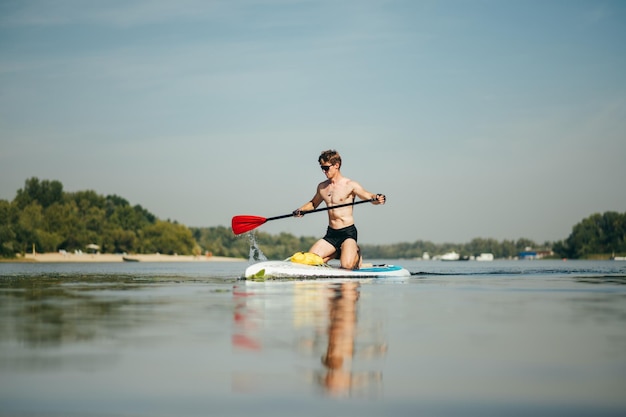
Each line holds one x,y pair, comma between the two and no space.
244,223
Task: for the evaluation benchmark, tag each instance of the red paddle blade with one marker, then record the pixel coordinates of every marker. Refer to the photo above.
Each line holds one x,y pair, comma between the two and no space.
242,224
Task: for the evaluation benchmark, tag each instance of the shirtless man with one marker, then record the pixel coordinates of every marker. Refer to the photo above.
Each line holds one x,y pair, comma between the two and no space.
341,236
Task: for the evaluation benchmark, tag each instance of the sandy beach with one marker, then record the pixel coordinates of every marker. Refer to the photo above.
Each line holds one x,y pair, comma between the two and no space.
107,257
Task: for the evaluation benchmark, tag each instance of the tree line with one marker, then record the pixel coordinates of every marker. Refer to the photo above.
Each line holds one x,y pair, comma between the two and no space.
42,215
595,236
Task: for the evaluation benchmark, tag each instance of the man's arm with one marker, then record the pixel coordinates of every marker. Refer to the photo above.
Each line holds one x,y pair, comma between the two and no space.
309,205
363,194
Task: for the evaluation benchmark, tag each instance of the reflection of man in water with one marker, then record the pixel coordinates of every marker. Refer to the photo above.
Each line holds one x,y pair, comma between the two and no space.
341,331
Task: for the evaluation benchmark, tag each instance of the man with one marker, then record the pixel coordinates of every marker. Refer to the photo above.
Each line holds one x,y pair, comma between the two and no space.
341,236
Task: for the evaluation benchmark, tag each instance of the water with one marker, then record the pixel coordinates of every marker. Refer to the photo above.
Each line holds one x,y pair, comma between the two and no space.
256,254
190,339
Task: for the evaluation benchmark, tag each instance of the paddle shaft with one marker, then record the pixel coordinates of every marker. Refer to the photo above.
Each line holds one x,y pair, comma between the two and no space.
245,223
284,216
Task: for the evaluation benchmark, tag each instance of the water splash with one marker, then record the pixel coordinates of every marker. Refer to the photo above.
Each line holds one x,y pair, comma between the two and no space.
256,254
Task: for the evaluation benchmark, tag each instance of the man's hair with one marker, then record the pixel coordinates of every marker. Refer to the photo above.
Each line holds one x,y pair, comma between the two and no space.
331,156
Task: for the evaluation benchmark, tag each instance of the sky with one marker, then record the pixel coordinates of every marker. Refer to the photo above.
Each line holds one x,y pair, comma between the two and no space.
476,118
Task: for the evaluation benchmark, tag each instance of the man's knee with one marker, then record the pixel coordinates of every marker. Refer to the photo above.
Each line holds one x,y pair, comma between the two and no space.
350,255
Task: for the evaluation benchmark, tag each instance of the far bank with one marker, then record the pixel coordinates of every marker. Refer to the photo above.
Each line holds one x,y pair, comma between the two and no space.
108,257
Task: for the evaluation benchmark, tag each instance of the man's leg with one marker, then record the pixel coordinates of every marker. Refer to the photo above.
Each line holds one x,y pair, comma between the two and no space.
323,249
350,254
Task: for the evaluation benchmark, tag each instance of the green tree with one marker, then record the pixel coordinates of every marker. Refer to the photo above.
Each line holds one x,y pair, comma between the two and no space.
8,242
43,192
119,240
596,234
168,238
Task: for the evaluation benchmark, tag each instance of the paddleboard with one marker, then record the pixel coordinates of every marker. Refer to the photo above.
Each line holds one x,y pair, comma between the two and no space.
292,270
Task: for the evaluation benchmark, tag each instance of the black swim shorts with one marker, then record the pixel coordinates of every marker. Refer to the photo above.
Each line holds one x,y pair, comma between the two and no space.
336,237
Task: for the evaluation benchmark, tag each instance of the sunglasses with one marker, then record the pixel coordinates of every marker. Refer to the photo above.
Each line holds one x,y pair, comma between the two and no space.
325,168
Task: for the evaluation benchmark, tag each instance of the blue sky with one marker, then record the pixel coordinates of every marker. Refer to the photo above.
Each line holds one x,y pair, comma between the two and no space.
483,118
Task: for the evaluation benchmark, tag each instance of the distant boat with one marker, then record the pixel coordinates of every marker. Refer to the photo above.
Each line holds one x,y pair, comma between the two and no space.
450,256
127,259
619,258
485,257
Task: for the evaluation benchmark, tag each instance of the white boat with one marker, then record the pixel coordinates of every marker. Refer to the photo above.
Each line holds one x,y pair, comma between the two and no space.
291,270
485,257
450,256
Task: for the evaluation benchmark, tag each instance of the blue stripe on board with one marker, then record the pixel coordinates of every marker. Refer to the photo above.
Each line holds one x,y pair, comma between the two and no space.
380,268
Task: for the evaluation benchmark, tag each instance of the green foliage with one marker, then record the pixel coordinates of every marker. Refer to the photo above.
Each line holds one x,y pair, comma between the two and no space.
45,193
505,249
597,234
8,216
167,238
48,218
45,216
221,241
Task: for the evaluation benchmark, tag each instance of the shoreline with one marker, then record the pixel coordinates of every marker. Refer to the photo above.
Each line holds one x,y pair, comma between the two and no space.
109,257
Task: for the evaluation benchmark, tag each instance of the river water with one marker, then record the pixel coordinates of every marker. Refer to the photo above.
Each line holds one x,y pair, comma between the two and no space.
190,339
